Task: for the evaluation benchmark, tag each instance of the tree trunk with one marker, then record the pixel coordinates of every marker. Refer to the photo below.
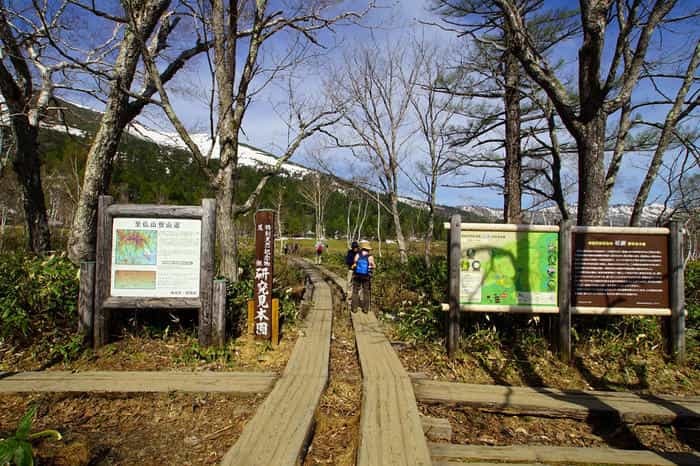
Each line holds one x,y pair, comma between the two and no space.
401,242
98,167
592,199
27,166
225,224
429,232
512,191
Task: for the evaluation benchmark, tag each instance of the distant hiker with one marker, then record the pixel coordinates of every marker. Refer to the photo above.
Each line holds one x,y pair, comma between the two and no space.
296,248
362,266
319,251
350,261
286,249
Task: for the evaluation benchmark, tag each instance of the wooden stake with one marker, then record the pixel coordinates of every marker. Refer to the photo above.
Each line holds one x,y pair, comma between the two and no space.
206,271
564,296
677,291
251,317
103,272
275,322
454,258
86,300
219,313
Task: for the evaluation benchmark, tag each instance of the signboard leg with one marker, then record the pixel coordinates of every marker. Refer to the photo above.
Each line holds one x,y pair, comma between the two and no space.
454,259
206,274
103,272
677,292
564,293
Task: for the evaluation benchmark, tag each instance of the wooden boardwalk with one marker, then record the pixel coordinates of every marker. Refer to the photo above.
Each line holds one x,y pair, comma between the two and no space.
150,381
282,426
628,407
445,454
390,427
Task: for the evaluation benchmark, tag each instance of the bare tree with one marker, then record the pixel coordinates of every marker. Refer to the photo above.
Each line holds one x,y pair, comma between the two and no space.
240,29
315,191
378,83
586,115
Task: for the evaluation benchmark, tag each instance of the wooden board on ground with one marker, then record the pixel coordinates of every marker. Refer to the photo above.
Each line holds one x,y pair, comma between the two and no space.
390,427
445,453
628,407
282,426
151,381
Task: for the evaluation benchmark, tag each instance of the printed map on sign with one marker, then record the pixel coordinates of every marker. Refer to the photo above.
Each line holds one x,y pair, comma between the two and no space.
136,247
509,268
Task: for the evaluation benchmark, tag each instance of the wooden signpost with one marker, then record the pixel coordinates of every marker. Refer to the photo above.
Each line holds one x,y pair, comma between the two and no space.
571,270
265,321
152,257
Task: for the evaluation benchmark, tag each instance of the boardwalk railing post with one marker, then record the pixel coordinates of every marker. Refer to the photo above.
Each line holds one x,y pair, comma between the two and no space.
677,291
219,313
86,300
454,256
564,293
206,271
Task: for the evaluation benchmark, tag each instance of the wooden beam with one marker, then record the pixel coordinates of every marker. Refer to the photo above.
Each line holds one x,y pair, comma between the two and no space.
564,291
86,300
677,293
132,302
206,269
501,227
103,271
154,210
620,311
454,261
628,230
219,313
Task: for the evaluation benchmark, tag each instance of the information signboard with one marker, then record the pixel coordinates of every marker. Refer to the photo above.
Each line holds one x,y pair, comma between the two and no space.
509,267
614,270
156,257
264,271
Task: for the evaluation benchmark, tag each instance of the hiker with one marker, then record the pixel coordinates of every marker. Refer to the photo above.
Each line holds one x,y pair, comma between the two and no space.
349,261
319,251
362,267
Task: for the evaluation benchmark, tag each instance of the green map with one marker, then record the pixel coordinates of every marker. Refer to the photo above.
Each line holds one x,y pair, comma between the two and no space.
509,268
136,247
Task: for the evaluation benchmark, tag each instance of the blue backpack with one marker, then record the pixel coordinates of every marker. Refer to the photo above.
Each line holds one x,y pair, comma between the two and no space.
362,266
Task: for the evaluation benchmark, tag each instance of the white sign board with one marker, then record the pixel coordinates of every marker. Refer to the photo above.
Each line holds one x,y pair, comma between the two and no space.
156,257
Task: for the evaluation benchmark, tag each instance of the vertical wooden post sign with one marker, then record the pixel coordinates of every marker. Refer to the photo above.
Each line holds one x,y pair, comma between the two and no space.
264,270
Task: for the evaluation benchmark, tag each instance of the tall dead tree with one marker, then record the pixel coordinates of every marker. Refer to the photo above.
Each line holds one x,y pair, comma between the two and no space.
585,115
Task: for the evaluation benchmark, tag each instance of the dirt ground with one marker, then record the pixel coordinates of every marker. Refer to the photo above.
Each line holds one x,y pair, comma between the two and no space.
128,429
336,434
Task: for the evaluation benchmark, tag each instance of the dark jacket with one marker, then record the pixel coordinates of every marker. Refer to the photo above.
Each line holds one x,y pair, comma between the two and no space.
350,258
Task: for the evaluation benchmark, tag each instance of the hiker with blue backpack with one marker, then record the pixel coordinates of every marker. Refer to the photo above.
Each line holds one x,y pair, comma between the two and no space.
350,262
362,267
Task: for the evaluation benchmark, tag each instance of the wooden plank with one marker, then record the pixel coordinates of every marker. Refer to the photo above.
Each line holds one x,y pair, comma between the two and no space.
620,311
503,227
677,293
560,455
206,269
130,381
436,429
454,258
632,230
132,302
86,300
628,407
219,313
282,426
103,271
155,210
564,275
391,432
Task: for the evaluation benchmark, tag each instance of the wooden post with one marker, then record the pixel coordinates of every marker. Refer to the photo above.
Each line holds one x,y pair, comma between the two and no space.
103,272
219,313
86,300
251,316
564,293
454,256
275,322
206,270
677,291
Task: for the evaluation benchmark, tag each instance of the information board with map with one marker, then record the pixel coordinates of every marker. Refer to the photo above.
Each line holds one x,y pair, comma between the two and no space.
509,268
157,258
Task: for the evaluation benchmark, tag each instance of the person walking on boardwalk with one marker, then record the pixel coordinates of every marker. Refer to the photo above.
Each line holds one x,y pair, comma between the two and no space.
363,266
350,261
319,251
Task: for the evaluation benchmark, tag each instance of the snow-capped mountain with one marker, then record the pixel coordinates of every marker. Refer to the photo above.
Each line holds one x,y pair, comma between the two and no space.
618,215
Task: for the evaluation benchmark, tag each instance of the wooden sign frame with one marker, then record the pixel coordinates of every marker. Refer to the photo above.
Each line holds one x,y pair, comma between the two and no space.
103,303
